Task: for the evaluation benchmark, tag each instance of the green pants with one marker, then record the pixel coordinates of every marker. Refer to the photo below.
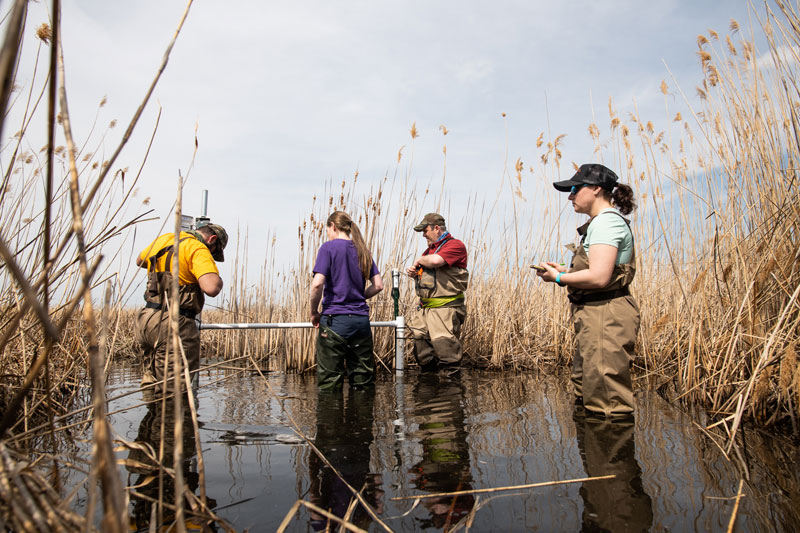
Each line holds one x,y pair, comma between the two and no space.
152,336
337,356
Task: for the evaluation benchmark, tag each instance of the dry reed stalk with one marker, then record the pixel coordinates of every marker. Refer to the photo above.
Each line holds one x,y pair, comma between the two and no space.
175,351
499,489
327,514
736,506
115,513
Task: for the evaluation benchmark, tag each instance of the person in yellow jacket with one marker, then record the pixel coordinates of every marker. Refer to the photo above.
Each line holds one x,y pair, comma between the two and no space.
198,276
441,277
604,312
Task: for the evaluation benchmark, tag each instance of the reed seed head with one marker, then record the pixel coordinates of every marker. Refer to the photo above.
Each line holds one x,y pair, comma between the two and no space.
44,33
731,48
413,131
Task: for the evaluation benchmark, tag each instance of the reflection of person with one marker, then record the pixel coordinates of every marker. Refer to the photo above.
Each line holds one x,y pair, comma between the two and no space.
618,504
441,278
197,276
604,313
147,479
343,266
344,436
445,464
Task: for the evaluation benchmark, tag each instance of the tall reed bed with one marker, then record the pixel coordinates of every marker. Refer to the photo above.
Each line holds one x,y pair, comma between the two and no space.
716,232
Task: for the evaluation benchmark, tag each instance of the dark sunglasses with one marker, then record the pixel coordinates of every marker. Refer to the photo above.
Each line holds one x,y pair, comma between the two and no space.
575,188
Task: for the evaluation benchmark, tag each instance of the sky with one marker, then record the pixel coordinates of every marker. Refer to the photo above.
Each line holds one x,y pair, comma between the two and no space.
286,96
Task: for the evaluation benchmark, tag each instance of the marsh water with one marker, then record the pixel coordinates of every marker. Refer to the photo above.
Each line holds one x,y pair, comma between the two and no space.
421,435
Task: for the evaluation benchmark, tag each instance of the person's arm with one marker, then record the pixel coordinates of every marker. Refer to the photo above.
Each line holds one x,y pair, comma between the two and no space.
210,284
315,295
376,286
430,261
602,258
141,263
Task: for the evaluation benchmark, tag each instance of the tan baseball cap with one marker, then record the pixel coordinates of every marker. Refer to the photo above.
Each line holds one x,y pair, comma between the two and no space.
431,219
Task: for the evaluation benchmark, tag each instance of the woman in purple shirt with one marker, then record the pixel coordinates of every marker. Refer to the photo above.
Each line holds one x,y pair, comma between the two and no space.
344,343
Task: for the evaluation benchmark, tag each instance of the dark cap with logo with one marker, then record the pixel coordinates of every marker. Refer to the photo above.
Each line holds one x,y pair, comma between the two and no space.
431,219
590,174
222,241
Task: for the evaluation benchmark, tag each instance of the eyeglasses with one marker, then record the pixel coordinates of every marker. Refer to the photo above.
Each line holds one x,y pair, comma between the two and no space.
575,188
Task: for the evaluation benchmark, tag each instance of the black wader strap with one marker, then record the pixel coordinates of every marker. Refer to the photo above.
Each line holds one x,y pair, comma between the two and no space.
184,312
580,299
152,262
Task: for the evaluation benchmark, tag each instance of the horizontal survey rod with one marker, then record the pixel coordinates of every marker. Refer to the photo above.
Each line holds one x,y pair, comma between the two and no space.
285,325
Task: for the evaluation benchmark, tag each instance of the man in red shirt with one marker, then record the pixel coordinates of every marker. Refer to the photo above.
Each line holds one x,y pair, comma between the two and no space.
441,278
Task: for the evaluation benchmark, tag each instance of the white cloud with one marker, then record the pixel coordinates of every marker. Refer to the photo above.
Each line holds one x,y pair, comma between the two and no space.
787,55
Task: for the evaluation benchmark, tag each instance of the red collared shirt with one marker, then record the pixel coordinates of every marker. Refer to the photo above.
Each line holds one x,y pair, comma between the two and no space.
452,251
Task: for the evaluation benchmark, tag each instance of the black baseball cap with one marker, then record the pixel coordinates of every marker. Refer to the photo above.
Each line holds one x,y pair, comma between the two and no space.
590,174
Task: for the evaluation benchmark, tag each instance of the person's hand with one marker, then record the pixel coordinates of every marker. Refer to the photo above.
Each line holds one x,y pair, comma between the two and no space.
315,318
551,270
412,271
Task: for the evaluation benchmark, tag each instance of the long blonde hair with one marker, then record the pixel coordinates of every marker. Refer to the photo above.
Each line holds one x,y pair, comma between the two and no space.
342,222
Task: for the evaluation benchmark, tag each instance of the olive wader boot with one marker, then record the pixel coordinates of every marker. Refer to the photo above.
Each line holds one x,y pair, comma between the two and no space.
337,356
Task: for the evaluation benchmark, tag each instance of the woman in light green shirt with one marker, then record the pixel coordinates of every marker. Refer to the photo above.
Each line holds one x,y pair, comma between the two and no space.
605,314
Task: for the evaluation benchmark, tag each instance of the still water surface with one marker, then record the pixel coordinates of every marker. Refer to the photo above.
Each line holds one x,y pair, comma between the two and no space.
424,435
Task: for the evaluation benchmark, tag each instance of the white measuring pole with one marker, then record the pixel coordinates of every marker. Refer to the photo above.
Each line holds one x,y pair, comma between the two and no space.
287,325
399,345
399,325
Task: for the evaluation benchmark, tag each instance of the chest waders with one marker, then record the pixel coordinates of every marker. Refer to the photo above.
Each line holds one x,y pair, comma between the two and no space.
153,323
338,356
436,326
606,323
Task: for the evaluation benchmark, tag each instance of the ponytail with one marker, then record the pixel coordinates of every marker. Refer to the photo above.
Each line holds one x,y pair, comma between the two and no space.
342,222
622,198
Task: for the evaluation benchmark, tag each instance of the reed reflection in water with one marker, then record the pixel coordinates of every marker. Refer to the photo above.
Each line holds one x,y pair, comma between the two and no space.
423,435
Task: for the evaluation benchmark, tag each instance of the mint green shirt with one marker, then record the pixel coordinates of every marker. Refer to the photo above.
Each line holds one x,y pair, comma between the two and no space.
609,228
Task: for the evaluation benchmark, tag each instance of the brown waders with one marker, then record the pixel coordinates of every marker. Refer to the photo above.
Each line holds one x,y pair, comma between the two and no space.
436,328
606,323
153,323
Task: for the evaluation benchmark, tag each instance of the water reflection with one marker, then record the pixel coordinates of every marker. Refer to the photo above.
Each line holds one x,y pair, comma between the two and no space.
438,406
421,435
344,436
606,448
144,471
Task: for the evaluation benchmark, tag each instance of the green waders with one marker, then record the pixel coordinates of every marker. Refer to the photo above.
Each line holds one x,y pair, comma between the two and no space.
153,324
606,324
337,356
